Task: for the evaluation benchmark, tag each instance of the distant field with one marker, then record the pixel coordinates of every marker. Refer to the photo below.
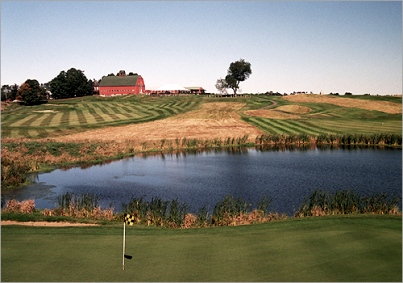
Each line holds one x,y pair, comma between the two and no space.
60,117
317,116
202,117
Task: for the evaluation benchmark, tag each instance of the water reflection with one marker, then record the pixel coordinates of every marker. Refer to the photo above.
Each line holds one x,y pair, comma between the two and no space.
203,177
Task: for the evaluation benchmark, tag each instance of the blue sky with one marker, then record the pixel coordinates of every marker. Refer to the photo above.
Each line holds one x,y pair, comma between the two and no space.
292,46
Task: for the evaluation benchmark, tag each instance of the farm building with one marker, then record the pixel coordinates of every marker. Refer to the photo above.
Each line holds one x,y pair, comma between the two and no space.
169,89
121,85
175,89
196,89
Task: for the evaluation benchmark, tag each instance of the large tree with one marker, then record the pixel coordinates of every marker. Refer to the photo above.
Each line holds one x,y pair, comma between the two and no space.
72,83
31,92
237,72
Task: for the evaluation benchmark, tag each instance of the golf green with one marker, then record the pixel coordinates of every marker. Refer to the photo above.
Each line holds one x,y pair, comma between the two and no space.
335,248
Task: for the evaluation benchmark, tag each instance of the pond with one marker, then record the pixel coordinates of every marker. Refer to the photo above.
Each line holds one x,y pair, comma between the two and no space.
203,178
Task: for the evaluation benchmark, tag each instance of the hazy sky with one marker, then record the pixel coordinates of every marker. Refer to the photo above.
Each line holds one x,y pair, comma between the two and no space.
292,46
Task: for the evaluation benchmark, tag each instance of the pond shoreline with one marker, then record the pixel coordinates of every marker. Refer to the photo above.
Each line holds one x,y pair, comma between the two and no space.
30,156
202,177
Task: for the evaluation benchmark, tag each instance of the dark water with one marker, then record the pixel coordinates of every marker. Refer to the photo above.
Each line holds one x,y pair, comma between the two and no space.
204,178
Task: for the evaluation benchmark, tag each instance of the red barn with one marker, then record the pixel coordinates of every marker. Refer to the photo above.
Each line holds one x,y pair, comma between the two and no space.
121,85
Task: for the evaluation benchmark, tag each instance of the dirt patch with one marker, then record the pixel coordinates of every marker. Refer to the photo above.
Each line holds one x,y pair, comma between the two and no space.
45,111
47,224
383,106
294,109
211,120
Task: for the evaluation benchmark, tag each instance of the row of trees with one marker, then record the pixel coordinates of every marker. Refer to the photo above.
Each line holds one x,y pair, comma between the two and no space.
72,83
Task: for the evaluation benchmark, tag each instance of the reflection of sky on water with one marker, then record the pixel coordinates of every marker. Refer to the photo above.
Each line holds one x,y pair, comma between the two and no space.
206,178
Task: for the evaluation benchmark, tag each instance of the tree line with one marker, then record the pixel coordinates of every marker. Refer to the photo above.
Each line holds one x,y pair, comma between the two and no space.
68,84
73,83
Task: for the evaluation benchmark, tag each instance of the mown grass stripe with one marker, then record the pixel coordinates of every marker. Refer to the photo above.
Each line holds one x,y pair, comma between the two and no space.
88,116
303,128
39,120
323,129
23,122
56,120
132,111
115,109
73,118
162,111
108,111
148,113
128,113
42,133
168,110
290,127
65,118
104,113
81,117
98,118
346,126
261,124
278,126
48,120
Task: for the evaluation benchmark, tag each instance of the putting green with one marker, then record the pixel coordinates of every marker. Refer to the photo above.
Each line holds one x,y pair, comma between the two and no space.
340,248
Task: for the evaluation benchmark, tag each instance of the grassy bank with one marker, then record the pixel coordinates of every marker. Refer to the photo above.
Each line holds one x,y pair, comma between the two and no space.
336,248
230,211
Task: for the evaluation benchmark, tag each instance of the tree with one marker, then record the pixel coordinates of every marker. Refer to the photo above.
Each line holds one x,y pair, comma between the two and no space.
31,92
222,86
72,83
9,92
237,72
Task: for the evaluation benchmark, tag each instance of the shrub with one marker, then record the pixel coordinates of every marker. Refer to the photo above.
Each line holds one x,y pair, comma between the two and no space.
25,206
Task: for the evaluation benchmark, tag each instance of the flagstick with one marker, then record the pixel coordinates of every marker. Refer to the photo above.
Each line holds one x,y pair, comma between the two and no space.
124,236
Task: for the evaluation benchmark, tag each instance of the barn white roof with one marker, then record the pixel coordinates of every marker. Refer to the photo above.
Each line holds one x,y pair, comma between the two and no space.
171,87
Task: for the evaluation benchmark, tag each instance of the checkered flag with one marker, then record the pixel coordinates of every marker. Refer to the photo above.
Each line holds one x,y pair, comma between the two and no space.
129,219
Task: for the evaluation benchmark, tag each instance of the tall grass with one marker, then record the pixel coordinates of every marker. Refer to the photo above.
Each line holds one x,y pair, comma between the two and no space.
321,203
360,139
229,211
334,139
156,212
80,206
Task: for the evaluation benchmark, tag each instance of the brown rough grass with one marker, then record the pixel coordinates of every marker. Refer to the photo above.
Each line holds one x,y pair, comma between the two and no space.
383,106
211,120
296,109
44,223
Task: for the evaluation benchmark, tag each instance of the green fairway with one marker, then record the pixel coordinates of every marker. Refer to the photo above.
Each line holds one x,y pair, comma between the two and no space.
59,117
325,118
342,248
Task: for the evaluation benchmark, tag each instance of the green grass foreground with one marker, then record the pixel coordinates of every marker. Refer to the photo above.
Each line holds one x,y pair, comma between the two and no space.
333,248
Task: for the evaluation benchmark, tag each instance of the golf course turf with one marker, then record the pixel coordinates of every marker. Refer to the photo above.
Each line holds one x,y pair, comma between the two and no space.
334,248
331,248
